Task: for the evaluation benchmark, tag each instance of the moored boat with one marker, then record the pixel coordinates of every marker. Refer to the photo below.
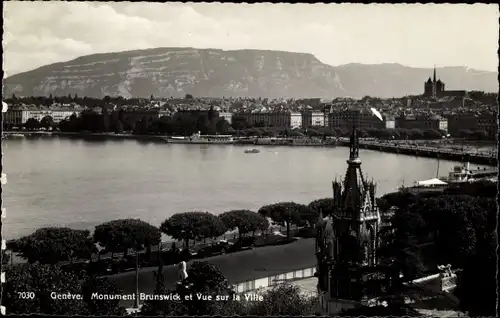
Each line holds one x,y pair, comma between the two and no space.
202,139
459,175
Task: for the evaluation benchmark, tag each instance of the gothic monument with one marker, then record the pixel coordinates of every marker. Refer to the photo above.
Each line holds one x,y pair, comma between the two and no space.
346,243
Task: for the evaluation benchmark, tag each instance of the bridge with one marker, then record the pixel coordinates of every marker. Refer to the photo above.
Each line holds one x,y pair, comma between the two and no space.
477,157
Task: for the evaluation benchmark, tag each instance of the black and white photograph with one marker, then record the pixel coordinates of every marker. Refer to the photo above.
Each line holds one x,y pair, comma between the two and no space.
224,159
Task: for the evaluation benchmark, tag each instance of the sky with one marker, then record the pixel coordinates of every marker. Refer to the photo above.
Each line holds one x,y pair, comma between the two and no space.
39,33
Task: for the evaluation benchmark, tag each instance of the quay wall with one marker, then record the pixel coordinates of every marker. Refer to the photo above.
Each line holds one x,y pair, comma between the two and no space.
429,152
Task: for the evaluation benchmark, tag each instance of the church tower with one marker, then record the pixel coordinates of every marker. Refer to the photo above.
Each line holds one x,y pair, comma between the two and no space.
434,88
347,242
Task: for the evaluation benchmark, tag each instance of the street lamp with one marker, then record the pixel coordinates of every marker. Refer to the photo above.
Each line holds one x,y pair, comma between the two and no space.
136,300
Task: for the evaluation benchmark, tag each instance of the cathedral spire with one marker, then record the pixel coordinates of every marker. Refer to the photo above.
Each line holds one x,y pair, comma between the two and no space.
434,78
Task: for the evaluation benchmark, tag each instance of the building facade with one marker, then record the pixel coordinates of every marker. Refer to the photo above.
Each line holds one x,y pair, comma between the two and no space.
18,115
390,123
227,116
261,119
295,120
148,115
318,119
346,244
488,122
345,119
458,122
421,122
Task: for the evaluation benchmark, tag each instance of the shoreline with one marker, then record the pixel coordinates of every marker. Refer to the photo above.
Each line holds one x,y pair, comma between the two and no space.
376,145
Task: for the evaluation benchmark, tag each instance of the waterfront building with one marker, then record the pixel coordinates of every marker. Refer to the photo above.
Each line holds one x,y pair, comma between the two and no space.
227,116
312,119
295,120
461,121
17,115
60,114
487,121
134,115
264,119
421,122
318,119
363,119
390,122
346,243
436,88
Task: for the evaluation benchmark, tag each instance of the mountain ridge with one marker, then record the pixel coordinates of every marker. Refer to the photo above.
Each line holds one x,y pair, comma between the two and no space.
177,71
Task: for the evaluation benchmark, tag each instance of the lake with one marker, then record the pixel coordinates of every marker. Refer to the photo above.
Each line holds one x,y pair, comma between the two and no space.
61,181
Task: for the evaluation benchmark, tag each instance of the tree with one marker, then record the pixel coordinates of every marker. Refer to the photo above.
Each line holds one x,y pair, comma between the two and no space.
287,213
188,96
432,134
283,300
101,307
37,282
122,235
32,124
244,220
476,287
480,135
44,281
399,246
204,279
403,133
53,245
90,120
362,133
164,125
401,199
47,122
464,133
326,206
448,219
295,133
222,126
415,133
184,226
212,226
119,127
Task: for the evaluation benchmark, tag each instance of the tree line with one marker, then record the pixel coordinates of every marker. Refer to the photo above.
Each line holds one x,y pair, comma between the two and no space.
209,124
55,245
47,250
456,227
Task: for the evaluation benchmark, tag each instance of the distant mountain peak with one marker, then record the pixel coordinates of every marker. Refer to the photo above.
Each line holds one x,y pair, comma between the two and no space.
177,71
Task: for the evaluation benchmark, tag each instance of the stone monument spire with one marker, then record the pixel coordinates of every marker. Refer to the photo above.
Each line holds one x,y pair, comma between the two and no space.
349,241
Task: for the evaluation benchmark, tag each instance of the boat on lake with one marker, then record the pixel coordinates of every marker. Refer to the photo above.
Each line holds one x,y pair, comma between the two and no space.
202,139
460,174
252,150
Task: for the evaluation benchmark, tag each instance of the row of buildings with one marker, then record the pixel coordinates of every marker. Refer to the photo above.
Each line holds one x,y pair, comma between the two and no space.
19,114
330,117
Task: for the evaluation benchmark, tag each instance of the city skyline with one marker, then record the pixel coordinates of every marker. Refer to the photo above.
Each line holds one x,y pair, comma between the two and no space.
411,35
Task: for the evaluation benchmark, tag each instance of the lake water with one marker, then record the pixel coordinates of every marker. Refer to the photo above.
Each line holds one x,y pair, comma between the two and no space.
60,181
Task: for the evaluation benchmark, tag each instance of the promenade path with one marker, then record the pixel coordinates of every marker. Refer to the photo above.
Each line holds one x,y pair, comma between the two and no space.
237,267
